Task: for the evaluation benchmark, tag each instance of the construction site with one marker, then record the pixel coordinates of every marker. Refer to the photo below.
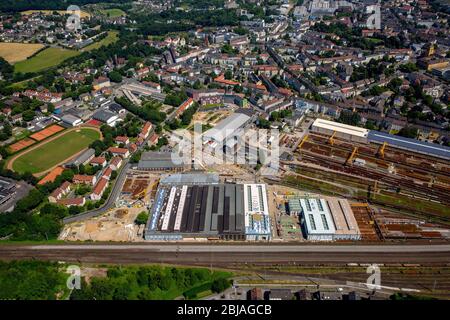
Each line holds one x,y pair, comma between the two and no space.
384,192
115,225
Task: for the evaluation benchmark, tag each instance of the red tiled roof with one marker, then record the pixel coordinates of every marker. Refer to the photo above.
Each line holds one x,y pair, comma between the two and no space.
221,79
115,161
98,160
65,185
147,126
107,172
186,104
133,147
100,186
83,177
117,150
121,139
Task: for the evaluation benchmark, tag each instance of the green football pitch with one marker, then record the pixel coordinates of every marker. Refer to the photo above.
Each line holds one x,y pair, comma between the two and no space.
51,153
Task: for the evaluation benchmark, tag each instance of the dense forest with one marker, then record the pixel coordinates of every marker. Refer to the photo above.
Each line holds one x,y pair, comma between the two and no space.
31,280
152,282
23,5
179,21
35,280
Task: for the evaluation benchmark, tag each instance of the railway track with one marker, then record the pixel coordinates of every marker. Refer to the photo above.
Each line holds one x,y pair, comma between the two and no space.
368,152
437,193
441,196
201,255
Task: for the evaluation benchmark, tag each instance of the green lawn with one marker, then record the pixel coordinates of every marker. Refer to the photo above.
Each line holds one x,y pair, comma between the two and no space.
113,13
45,59
110,38
51,153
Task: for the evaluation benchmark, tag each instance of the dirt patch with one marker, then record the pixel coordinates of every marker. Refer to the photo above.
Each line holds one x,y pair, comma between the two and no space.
116,225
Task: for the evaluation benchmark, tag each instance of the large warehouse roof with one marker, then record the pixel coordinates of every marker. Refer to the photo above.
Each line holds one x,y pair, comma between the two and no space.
340,127
190,178
196,210
317,217
343,217
155,160
226,127
410,144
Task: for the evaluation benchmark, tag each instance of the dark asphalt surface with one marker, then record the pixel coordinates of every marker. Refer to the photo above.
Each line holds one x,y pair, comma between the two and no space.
110,203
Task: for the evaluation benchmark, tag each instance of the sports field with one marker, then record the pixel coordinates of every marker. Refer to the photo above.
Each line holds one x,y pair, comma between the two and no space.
47,132
113,13
45,59
22,144
15,52
55,151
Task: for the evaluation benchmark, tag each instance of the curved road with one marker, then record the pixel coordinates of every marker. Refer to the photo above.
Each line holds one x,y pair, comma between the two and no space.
110,203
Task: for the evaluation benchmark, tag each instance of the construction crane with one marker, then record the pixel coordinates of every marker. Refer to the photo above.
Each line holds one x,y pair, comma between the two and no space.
381,150
331,140
352,156
303,141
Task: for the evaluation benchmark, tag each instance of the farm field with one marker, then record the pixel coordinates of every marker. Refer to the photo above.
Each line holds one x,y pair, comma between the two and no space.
45,59
110,38
113,13
83,14
15,52
49,154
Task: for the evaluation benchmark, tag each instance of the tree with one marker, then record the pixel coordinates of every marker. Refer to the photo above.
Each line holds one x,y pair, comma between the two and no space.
220,285
28,115
115,76
408,132
50,108
141,218
136,157
228,75
263,123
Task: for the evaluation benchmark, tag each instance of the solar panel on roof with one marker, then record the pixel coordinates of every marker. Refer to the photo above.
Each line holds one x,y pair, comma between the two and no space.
410,144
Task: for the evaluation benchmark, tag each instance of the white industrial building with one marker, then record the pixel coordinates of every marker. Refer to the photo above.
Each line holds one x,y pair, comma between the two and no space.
108,117
316,220
71,120
340,130
326,219
256,210
225,129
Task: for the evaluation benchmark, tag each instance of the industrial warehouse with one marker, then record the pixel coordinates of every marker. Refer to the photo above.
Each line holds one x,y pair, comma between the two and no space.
361,135
159,161
340,130
325,219
212,211
227,128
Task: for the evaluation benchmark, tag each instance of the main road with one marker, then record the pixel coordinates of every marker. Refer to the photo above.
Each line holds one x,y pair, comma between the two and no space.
231,255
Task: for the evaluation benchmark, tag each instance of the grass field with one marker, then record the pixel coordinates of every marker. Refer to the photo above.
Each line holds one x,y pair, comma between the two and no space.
56,151
45,59
113,13
83,14
110,38
15,52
